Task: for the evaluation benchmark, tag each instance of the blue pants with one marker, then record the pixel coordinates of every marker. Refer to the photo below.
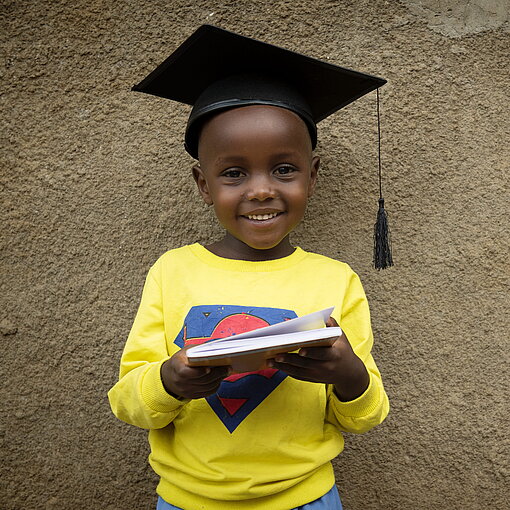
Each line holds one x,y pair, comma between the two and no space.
330,501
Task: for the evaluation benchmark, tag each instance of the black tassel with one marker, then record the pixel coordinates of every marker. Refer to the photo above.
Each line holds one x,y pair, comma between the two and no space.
382,242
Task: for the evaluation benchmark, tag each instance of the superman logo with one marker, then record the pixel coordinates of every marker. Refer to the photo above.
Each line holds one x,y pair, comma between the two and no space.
239,394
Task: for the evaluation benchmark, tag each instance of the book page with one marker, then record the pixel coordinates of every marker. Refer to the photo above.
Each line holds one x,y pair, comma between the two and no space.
234,346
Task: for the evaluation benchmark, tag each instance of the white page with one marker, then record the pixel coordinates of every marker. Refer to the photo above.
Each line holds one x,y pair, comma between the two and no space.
233,346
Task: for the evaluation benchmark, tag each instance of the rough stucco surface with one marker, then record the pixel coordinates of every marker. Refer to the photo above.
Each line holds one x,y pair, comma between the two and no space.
95,186
458,18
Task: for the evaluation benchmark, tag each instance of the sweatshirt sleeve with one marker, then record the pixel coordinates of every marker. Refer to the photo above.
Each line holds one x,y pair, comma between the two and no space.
370,408
139,397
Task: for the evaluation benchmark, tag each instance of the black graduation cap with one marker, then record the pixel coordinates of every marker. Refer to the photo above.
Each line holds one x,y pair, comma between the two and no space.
215,69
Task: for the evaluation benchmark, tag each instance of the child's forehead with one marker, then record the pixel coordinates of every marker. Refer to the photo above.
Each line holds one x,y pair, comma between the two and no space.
254,130
252,119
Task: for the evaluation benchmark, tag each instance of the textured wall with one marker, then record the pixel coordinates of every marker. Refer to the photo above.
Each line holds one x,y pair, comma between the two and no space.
95,186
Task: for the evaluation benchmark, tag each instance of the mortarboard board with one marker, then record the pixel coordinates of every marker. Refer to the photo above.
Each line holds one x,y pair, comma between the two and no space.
215,70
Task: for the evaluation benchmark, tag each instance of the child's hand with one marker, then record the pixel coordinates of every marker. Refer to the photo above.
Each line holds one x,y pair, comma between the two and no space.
182,381
336,365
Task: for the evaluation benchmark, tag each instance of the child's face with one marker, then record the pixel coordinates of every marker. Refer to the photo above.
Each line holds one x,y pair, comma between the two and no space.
257,170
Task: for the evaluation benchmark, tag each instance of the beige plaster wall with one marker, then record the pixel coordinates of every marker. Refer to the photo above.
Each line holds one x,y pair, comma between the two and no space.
96,185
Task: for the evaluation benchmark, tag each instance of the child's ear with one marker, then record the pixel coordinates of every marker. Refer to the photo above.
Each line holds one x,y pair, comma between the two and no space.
201,181
314,170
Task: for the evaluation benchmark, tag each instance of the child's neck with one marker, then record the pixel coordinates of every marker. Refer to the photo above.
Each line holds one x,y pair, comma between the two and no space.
232,248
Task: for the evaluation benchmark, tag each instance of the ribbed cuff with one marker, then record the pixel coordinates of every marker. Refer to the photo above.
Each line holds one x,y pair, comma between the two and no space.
154,394
364,405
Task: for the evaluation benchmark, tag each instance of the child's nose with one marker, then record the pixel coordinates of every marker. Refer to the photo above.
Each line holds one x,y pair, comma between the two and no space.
260,188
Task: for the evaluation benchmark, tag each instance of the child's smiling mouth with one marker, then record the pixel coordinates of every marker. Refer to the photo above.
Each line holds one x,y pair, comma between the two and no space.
261,217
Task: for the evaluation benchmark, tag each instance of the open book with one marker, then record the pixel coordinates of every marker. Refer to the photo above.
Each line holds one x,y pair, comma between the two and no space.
249,351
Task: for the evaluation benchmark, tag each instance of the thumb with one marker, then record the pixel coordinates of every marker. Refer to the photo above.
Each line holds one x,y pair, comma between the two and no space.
331,323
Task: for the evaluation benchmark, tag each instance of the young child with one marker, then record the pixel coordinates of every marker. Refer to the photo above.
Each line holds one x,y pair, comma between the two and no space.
260,440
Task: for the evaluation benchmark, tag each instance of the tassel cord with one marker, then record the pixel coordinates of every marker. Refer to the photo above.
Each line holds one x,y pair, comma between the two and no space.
382,245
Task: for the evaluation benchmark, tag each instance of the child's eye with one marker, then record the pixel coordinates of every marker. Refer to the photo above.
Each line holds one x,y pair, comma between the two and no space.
284,170
232,173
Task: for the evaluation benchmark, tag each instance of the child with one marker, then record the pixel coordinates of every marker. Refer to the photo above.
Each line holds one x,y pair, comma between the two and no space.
265,439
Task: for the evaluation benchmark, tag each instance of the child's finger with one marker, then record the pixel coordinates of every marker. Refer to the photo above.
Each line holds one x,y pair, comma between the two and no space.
331,323
207,389
204,375
317,353
187,372
292,359
328,352
301,373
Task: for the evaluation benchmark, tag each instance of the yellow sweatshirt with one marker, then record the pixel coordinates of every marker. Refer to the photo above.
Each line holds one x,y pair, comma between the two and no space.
264,440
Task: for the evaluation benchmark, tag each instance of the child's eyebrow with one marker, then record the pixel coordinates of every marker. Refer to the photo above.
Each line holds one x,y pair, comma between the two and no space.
231,160
285,155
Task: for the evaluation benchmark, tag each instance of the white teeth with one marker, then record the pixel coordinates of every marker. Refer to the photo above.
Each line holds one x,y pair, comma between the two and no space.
261,217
